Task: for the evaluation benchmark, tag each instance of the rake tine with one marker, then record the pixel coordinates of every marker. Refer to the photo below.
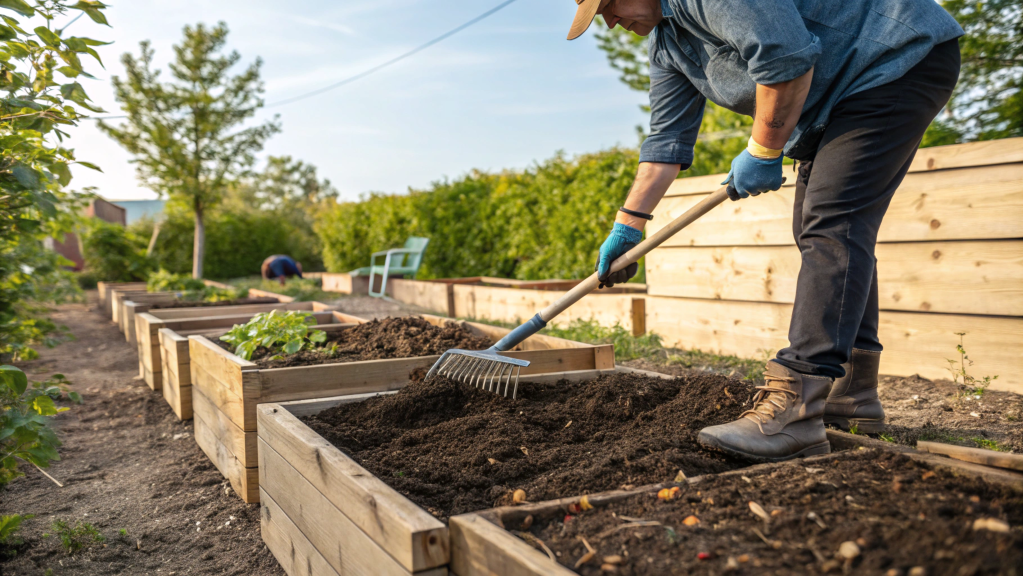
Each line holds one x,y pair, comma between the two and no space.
464,369
503,376
449,364
474,378
516,389
491,366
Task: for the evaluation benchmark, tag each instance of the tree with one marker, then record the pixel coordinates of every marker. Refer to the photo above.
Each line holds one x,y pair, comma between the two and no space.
723,133
185,134
988,102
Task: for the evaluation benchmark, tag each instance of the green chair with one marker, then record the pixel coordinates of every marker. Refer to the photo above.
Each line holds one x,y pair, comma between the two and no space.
406,262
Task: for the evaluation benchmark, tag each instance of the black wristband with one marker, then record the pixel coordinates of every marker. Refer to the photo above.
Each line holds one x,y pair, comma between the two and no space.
642,215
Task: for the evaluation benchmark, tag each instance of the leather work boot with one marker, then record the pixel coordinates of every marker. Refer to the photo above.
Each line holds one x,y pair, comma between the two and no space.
785,422
853,398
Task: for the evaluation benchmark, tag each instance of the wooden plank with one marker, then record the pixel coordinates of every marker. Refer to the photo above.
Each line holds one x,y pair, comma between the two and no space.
146,338
177,378
973,154
296,555
638,316
216,311
242,444
333,282
223,366
257,293
410,535
433,296
915,343
975,455
345,546
515,305
244,481
480,548
301,382
302,408
495,333
237,410
964,204
916,276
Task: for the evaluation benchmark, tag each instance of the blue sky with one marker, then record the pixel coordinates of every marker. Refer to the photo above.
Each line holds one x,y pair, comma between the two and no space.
502,94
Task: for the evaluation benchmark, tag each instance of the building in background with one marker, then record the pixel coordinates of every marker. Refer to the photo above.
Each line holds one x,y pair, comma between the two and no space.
138,209
70,248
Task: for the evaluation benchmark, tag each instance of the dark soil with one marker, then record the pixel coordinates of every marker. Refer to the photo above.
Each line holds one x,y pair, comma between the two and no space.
238,302
922,409
127,463
901,516
403,337
452,448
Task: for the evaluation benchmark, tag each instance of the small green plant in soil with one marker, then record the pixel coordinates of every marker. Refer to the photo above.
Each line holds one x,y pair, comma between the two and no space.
301,289
74,538
966,383
854,428
25,413
284,332
627,346
886,437
192,289
987,443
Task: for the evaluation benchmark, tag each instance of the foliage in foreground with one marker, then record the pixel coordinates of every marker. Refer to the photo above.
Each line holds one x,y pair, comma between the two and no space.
42,99
25,413
283,332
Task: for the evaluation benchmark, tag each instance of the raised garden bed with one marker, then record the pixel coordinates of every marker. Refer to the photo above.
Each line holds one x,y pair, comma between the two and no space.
175,362
148,325
863,511
505,300
227,389
140,303
412,459
104,290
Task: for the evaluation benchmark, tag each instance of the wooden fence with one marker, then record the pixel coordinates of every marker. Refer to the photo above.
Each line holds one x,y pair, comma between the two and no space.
950,259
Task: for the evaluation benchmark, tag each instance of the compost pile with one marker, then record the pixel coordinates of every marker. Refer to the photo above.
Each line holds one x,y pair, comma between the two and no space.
404,337
452,448
237,302
864,512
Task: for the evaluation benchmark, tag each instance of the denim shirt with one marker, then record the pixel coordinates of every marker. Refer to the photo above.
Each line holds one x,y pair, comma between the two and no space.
721,49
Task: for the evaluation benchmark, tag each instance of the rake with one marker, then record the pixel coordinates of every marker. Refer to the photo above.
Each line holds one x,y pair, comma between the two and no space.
489,370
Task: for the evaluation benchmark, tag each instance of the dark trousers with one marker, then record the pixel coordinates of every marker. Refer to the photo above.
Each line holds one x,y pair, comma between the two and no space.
841,197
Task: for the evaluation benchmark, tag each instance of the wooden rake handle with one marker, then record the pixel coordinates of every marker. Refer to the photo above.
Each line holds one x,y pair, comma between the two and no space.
656,239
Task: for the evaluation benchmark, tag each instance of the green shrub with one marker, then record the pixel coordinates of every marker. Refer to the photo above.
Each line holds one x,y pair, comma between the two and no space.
237,242
113,253
544,222
164,281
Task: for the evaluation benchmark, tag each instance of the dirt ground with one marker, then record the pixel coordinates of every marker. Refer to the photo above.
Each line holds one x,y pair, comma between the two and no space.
922,409
862,512
127,464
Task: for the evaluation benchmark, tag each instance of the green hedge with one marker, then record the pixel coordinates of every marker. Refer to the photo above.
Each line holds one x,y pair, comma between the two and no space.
113,254
237,242
544,222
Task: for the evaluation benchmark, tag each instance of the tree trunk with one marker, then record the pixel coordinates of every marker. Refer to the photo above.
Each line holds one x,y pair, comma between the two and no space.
199,244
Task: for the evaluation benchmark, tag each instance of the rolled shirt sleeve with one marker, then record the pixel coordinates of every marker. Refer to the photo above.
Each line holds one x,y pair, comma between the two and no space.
676,111
768,34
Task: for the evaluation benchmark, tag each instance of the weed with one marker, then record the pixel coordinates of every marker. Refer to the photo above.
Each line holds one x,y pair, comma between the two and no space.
886,437
854,428
966,384
398,474
74,538
48,572
988,444
123,531
627,346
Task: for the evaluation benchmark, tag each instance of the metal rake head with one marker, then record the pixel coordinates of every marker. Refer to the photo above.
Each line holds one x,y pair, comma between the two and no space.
484,369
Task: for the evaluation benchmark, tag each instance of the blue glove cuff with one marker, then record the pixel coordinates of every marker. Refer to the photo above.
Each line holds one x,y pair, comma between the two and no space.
628,232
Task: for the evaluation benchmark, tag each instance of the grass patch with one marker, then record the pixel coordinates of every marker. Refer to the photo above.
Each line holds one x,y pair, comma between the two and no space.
886,437
627,346
988,444
301,289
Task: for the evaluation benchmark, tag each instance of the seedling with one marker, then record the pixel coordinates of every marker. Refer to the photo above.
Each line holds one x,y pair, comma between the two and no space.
74,538
283,332
854,428
886,437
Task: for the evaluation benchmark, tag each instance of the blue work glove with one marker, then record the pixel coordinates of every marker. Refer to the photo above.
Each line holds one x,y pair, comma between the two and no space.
750,175
621,239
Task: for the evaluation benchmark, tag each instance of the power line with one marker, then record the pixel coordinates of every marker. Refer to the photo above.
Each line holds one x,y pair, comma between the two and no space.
376,68
395,60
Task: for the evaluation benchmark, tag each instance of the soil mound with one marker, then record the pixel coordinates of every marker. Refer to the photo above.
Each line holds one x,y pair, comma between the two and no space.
452,448
403,337
898,514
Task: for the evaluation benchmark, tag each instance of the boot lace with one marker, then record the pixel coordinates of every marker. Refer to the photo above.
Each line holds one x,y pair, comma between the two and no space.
769,400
